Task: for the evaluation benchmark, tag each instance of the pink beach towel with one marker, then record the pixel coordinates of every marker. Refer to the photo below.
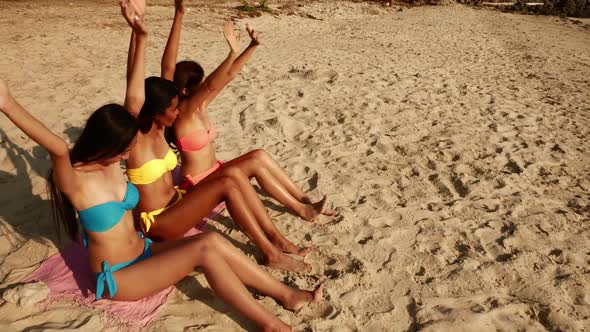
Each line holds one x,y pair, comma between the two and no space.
68,276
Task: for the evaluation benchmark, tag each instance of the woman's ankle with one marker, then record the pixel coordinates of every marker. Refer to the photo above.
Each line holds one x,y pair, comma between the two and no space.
276,325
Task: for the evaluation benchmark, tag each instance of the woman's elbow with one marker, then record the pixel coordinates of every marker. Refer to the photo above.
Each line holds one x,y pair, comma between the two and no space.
60,149
167,70
134,104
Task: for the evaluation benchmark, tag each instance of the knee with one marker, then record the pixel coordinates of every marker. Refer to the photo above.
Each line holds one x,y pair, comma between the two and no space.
228,180
232,172
207,241
258,154
212,238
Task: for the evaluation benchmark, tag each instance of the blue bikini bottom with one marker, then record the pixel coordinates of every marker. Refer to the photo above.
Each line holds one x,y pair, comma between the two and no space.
106,276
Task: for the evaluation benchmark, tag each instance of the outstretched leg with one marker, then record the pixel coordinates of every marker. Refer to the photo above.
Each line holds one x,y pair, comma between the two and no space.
226,269
259,211
217,188
252,275
274,181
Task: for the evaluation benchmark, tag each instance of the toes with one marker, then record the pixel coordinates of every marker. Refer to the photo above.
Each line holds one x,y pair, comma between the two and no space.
329,212
302,267
305,251
323,207
318,293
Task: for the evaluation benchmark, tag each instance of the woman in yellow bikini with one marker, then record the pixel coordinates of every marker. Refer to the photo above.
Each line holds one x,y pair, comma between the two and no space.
193,133
88,187
168,212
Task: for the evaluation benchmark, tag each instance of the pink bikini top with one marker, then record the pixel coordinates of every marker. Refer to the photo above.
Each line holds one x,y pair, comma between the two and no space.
196,140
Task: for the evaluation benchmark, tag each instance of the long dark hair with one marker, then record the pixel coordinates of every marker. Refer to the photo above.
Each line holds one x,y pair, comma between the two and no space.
108,133
159,93
188,74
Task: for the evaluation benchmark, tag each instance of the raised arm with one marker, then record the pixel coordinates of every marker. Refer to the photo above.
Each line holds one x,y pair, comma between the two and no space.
131,55
246,54
171,50
228,69
135,93
65,177
140,7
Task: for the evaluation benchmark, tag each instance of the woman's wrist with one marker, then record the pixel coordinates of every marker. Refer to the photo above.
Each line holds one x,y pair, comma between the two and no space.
141,34
9,104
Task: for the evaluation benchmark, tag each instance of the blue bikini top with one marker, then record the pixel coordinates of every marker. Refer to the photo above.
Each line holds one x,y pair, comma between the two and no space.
103,217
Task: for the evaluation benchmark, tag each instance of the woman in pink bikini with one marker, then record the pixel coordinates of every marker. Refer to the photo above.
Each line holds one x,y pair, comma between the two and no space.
193,133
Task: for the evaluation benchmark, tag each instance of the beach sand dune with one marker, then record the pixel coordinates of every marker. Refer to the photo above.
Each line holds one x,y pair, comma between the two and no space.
454,142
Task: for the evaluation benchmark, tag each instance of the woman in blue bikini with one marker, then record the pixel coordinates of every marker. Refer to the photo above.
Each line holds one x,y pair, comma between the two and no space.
88,186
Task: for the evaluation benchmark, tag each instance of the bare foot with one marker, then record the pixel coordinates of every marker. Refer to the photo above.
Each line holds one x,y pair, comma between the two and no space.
276,326
325,211
317,208
300,297
286,263
302,252
290,248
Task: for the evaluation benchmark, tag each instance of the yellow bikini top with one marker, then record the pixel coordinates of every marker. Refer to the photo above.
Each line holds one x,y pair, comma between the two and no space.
153,169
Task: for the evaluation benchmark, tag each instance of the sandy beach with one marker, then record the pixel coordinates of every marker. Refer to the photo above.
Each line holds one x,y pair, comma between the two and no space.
454,142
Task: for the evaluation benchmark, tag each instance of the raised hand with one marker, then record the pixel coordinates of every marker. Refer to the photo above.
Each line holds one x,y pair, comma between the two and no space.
234,41
139,6
253,35
179,6
133,11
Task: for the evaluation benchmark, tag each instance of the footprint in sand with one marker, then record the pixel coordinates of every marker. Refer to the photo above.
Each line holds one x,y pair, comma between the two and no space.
337,266
492,241
401,316
512,167
440,187
459,185
303,72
